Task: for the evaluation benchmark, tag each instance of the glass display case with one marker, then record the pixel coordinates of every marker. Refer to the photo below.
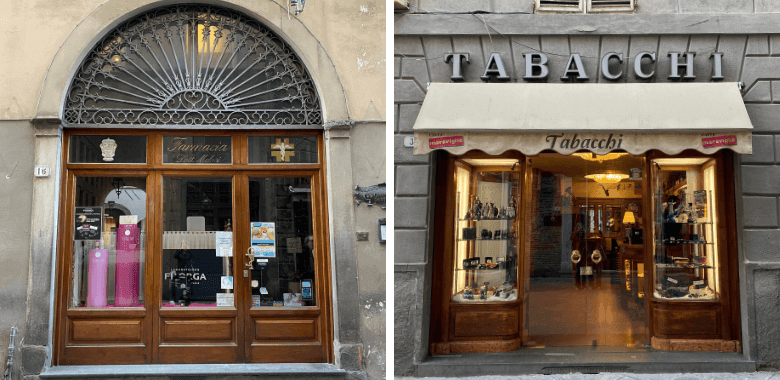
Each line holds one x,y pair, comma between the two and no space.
685,228
486,253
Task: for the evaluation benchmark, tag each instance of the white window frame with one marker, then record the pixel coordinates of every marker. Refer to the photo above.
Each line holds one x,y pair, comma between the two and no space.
583,6
611,8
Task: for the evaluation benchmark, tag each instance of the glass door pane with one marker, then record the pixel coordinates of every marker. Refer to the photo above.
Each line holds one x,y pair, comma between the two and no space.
109,241
197,242
577,293
282,242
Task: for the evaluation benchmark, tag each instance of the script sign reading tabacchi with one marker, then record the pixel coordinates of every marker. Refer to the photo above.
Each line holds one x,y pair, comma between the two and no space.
197,150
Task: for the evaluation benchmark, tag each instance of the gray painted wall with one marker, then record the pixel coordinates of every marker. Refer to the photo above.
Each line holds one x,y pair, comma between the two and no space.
422,40
16,183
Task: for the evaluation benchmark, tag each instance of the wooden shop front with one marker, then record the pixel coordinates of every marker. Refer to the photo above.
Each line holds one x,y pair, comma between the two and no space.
607,234
166,258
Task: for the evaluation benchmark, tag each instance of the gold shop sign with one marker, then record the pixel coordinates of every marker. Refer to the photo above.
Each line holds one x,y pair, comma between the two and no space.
197,150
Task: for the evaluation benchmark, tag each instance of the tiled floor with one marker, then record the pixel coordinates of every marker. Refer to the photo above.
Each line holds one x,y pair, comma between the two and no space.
602,314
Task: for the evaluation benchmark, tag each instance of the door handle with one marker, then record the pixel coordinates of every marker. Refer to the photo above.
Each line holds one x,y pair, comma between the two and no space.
251,256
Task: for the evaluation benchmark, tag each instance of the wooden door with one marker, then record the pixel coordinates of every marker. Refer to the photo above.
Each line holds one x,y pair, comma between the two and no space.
283,289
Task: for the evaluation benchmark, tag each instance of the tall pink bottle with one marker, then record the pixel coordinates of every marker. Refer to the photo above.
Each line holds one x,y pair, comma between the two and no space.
98,272
128,263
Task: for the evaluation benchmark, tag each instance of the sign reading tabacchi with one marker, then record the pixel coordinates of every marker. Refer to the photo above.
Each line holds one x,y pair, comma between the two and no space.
536,66
585,142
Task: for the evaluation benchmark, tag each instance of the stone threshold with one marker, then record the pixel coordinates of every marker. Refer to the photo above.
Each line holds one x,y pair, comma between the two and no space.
562,360
196,371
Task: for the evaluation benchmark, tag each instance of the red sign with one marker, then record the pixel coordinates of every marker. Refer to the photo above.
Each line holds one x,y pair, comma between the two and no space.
711,142
440,142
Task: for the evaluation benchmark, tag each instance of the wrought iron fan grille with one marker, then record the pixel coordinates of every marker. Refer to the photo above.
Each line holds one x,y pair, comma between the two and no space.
192,65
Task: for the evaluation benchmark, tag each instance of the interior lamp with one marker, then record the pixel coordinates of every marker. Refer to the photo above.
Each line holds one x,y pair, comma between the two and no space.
607,177
628,218
599,157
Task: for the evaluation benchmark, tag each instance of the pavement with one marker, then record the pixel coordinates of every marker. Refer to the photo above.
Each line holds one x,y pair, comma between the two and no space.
623,376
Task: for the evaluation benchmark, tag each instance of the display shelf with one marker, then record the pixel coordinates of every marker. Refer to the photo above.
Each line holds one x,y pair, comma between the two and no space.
679,266
484,219
486,270
678,242
502,239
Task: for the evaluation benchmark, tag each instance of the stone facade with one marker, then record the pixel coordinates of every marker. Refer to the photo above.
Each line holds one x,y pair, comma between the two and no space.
42,44
745,31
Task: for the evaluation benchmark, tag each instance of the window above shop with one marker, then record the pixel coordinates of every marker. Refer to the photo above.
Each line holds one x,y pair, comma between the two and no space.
584,6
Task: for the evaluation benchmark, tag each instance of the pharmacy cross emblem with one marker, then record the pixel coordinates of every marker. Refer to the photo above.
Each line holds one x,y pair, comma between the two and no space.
282,155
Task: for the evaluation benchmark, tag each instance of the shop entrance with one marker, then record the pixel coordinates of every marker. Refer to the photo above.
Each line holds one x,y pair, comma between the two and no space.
614,250
585,270
205,247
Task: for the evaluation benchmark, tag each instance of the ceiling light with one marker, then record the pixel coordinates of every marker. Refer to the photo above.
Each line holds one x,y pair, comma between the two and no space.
599,157
607,177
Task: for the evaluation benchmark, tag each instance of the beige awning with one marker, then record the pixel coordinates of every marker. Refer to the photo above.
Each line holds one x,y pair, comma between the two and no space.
565,117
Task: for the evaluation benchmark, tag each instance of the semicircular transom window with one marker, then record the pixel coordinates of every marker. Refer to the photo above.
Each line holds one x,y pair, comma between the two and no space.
192,65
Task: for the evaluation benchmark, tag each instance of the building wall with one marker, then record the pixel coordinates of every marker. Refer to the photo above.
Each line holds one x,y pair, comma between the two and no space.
34,30
16,183
348,41
742,30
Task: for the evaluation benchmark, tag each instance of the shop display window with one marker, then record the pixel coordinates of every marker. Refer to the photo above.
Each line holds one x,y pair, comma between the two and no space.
109,240
197,242
685,229
282,149
486,256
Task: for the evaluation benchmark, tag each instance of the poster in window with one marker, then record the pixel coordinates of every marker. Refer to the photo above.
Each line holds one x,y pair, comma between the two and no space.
89,223
263,239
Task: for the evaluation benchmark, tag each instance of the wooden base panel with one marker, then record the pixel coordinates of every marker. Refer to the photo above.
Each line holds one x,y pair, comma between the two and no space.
309,352
198,353
104,354
475,347
695,345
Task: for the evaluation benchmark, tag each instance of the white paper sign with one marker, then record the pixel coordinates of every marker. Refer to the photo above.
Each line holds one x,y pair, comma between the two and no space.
225,299
224,243
294,245
227,282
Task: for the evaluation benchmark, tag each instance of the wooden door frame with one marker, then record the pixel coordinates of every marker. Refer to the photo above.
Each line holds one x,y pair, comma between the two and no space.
728,304
441,334
154,171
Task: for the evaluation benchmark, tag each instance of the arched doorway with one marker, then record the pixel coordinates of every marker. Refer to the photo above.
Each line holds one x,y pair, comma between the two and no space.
212,118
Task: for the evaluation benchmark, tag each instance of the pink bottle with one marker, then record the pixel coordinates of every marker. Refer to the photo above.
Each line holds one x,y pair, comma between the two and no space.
98,271
128,263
